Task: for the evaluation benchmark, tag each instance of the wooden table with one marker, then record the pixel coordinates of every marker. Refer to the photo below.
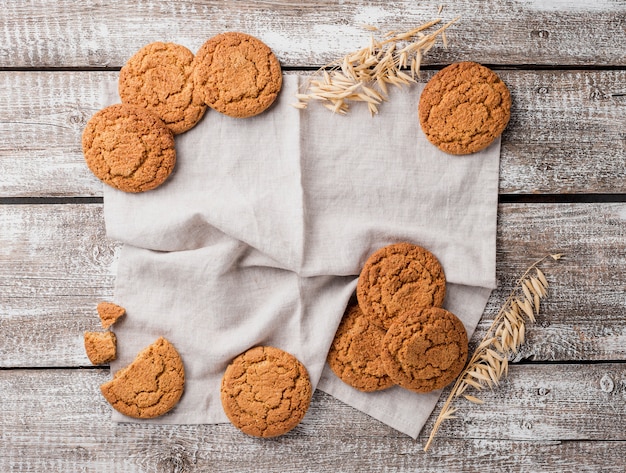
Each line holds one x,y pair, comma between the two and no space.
562,189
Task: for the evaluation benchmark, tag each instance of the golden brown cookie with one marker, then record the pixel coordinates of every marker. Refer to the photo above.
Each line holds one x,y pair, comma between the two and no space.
265,392
354,355
426,351
159,78
129,148
397,278
101,347
464,108
151,385
109,313
237,74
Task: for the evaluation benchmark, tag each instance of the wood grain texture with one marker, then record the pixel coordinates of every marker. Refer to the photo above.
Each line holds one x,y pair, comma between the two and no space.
566,133
38,34
543,418
56,265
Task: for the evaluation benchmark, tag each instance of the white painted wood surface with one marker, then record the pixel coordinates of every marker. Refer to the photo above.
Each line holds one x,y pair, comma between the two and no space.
562,185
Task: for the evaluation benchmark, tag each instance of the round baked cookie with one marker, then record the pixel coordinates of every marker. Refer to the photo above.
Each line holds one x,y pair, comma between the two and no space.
265,392
129,148
151,385
354,355
237,74
398,278
159,78
426,351
464,108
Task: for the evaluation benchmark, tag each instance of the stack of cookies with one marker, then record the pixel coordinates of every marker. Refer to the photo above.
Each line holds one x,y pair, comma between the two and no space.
396,332
165,91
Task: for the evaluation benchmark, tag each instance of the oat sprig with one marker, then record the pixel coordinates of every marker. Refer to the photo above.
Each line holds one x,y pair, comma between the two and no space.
365,75
489,362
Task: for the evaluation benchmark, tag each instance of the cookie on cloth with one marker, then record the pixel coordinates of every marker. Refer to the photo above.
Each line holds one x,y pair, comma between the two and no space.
397,278
101,347
265,391
354,355
464,108
158,78
109,313
151,385
128,148
426,351
237,74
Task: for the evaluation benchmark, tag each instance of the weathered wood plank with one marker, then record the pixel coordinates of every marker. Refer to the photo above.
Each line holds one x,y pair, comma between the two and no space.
56,265
40,34
544,418
566,133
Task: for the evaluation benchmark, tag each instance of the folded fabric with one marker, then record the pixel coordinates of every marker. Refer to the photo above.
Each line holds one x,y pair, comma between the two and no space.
260,233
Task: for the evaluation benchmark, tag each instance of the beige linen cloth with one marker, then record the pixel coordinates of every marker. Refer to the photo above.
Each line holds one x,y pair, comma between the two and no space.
258,237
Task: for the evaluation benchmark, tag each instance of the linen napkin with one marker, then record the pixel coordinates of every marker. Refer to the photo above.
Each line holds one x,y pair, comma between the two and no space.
260,233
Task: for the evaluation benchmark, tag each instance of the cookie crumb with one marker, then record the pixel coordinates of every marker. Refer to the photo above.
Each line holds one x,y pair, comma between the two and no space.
109,313
101,347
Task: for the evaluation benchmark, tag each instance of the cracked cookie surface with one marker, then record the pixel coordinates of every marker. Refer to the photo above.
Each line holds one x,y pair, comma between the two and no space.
265,392
426,351
464,108
159,78
354,355
151,385
128,148
398,278
237,74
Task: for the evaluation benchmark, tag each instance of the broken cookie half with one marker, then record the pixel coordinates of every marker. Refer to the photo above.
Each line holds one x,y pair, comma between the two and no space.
151,385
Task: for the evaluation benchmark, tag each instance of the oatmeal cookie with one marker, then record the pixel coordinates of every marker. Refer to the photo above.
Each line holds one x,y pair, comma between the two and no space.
398,278
237,74
464,108
426,351
159,78
265,392
354,355
129,148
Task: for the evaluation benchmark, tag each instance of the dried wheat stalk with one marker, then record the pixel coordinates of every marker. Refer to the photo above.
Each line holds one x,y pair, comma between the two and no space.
365,75
489,362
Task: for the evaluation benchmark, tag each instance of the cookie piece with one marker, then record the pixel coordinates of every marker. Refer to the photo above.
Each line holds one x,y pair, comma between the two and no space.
464,108
237,74
354,355
101,347
109,313
159,78
426,351
397,278
265,392
129,148
151,385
